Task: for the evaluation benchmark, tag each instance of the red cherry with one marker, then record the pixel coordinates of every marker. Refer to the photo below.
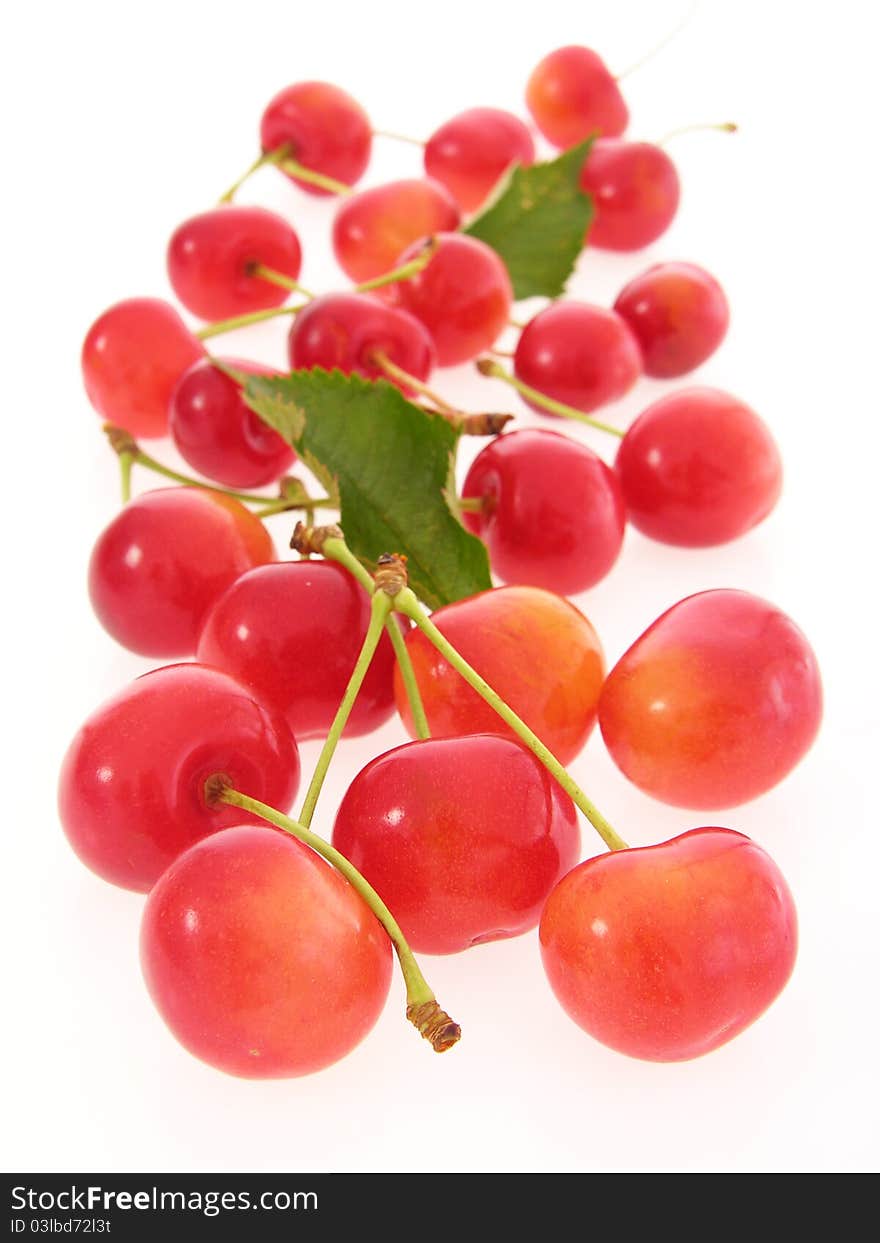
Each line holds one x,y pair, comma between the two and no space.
132,357
571,96
348,330
131,793
262,960
635,191
582,355
534,648
372,228
715,703
463,296
163,561
669,951
217,432
326,130
292,632
470,153
463,837
679,316
212,259
552,513
698,468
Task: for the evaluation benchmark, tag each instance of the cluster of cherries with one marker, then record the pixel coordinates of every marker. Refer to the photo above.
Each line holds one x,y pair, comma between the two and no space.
263,960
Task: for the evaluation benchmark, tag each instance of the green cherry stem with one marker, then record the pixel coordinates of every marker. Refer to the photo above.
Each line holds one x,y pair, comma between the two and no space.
405,602
488,367
394,372
244,321
412,268
466,424
470,504
295,169
395,137
725,127
421,1005
379,611
126,461
264,158
278,278
337,550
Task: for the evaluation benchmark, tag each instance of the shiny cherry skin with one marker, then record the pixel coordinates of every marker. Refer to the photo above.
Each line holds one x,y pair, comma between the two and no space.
571,96
346,330
668,951
326,130
463,837
132,357
131,793
372,228
471,152
463,297
218,434
261,959
635,191
211,260
292,631
163,561
678,314
553,513
577,353
698,468
534,648
715,703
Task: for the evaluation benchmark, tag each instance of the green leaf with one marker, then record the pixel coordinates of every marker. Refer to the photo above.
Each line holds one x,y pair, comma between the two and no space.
537,222
391,465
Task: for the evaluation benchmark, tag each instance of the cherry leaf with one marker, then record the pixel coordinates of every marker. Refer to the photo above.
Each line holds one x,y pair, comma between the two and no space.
537,221
390,463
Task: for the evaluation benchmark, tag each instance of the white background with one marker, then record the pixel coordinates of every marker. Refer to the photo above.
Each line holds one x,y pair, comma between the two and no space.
125,119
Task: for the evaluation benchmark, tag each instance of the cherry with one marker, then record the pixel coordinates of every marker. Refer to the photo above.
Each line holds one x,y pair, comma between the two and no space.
463,296
292,632
372,228
218,434
213,257
635,191
132,357
582,355
325,130
552,512
534,648
715,703
698,468
669,951
463,837
571,96
163,561
351,330
470,153
131,792
679,315
261,959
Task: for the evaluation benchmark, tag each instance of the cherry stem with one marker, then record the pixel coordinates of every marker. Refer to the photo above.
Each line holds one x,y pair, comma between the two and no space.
130,453
337,550
405,602
264,158
412,268
724,127
487,367
381,359
658,47
126,461
284,505
393,134
471,504
310,175
244,321
379,610
279,278
421,1005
